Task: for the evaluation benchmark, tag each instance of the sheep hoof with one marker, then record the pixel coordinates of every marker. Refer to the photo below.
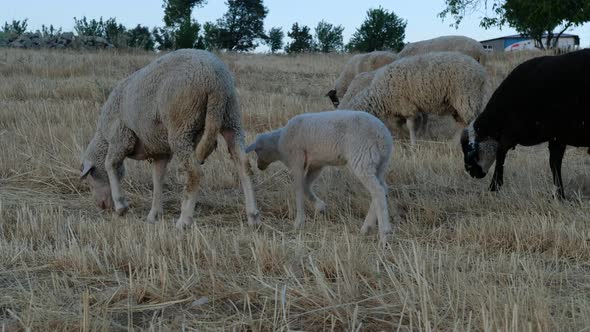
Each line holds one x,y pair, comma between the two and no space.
299,223
321,207
183,223
366,229
122,208
154,215
254,219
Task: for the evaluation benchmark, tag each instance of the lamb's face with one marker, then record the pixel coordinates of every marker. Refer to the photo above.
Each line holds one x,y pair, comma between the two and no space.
266,150
478,155
98,181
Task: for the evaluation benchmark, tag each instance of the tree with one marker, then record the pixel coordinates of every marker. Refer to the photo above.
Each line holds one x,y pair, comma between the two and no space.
115,33
275,39
532,18
380,30
329,37
242,25
183,30
93,28
15,27
302,39
176,11
140,37
164,38
211,36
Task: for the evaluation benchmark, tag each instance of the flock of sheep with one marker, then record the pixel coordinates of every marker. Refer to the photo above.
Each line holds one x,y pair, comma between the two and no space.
178,104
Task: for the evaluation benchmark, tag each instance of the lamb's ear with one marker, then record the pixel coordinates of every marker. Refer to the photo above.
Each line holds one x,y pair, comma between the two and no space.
251,148
87,166
331,93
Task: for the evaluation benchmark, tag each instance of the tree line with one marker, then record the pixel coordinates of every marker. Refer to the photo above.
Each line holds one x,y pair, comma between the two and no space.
241,28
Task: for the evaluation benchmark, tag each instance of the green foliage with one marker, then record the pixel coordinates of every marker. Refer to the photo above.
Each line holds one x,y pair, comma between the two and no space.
532,18
211,36
140,37
187,34
176,11
15,27
49,32
93,28
302,39
275,39
164,38
329,37
381,30
116,33
241,25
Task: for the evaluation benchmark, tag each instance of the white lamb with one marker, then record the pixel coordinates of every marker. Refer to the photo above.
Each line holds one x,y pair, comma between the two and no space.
310,141
177,105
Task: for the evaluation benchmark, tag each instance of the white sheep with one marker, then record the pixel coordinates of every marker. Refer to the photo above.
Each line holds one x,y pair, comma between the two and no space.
461,44
356,65
393,122
176,105
310,141
438,83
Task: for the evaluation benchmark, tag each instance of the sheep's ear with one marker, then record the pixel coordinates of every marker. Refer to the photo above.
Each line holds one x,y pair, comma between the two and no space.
87,166
331,93
251,148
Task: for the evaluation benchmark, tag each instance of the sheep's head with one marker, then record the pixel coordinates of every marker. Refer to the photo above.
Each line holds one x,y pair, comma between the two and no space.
479,154
266,148
333,97
93,172
98,181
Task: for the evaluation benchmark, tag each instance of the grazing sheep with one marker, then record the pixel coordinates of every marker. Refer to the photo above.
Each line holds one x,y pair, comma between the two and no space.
461,44
356,65
310,141
438,83
176,105
544,99
394,123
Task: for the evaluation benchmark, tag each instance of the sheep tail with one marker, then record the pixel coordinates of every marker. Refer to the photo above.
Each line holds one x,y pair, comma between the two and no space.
213,124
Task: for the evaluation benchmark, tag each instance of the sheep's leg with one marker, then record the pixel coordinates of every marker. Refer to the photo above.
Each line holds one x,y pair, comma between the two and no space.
371,218
311,176
158,172
297,165
123,145
556,152
235,145
498,177
411,123
379,200
193,174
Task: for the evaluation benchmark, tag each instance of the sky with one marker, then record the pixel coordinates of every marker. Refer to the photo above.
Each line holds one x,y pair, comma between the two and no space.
421,15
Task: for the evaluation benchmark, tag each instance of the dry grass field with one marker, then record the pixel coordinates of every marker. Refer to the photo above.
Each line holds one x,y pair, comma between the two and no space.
461,258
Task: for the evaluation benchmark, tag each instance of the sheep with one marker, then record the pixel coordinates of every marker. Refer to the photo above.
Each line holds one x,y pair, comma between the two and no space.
358,64
438,83
394,123
175,106
544,99
461,44
310,141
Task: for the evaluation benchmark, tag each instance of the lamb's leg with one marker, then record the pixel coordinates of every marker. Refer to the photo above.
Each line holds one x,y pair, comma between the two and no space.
311,176
299,184
498,177
371,218
193,174
123,145
379,200
556,152
411,123
235,145
158,172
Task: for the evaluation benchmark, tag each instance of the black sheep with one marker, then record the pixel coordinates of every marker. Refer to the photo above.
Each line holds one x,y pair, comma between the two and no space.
545,99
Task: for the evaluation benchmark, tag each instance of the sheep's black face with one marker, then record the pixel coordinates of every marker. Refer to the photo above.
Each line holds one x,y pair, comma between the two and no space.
333,98
478,156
